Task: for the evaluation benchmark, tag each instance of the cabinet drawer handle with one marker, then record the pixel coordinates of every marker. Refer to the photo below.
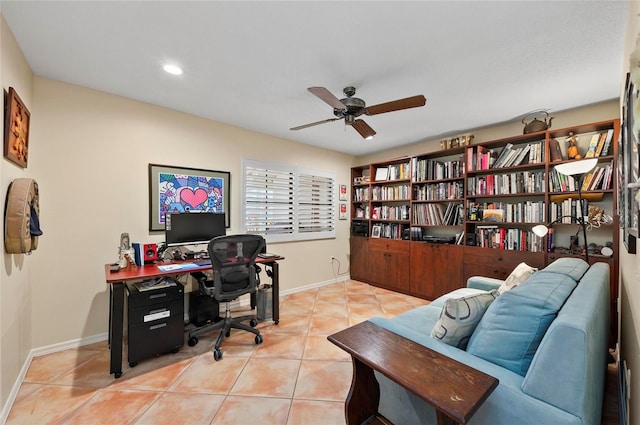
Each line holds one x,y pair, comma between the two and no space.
159,310
163,294
158,326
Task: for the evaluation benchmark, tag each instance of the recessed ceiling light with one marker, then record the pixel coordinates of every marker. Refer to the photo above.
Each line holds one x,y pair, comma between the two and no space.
173,69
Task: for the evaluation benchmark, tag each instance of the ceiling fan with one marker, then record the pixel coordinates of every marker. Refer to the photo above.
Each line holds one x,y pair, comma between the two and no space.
351,107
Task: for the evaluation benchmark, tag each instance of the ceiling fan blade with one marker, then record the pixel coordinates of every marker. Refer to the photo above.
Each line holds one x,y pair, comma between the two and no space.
327,97
396,105
300,127
364,129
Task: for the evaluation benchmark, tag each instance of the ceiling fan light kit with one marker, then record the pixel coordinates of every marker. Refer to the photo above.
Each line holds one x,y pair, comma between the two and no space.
351,108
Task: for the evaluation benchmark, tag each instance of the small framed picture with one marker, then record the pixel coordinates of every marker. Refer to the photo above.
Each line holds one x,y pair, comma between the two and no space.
375,231
343,192
343,212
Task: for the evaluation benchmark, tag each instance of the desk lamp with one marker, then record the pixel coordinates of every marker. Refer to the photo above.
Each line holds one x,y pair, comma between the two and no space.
577,170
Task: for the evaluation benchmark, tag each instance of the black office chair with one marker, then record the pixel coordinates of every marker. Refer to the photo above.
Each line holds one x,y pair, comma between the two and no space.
234,274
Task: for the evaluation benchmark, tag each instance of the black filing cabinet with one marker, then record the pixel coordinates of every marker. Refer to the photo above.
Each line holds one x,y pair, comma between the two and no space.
156,321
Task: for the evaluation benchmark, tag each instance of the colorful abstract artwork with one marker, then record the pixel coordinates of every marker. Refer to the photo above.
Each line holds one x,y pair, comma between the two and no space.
175,189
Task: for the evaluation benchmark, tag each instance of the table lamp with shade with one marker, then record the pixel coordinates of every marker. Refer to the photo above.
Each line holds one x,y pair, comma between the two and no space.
577,170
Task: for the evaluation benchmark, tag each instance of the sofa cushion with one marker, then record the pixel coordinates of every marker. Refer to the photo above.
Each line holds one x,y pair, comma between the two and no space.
513,326
456,293
575,268
520,274
459,318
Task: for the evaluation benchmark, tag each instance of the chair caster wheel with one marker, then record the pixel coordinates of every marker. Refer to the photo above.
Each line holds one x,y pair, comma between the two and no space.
258,339
217,354
192,341
117,375
253,323
133,364
228,334
174,351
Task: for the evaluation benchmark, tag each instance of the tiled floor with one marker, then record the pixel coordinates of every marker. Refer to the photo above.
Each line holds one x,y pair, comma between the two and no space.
294,377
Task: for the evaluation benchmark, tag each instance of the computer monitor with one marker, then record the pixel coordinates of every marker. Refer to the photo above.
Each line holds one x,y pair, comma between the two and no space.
193,228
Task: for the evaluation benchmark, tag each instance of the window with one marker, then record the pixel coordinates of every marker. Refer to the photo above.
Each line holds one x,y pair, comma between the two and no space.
285,203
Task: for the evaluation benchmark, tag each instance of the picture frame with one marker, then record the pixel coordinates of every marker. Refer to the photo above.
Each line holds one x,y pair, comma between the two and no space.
342,196
16,129
376,230
181,189
628,163
343,212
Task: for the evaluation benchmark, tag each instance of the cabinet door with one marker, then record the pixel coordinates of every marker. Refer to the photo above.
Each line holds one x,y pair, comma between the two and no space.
359,258
435,269
497,263
389,263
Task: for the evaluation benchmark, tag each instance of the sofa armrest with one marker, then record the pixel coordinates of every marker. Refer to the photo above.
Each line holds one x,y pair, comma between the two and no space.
484,283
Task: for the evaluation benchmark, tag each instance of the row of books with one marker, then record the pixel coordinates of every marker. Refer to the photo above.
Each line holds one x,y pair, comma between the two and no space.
507,212
505,184
431,169
393,172
386,212
361,194
599,144
437,214
387,230
510,156
390,193
508,239
482,158
439,191
567,210
600,178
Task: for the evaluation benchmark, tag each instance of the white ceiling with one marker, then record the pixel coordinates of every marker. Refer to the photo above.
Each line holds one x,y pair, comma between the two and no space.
249,63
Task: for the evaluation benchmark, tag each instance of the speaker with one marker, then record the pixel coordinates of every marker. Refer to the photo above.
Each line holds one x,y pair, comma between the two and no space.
145,253
149,252
470,240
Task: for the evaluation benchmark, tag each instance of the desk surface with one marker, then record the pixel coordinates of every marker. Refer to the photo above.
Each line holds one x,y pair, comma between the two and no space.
151,270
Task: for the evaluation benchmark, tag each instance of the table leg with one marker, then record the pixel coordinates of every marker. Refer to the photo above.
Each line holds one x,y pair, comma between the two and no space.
275,296
116,322
364,394
444,419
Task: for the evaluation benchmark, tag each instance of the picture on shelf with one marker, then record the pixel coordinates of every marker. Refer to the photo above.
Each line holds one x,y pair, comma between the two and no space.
376,230
493,215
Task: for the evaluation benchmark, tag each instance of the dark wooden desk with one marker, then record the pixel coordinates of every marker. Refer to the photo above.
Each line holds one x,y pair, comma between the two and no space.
454,389
117,283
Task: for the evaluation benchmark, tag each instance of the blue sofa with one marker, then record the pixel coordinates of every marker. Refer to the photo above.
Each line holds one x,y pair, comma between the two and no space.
563,380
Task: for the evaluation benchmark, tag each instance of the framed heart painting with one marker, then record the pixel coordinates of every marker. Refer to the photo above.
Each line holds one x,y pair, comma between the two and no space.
179,189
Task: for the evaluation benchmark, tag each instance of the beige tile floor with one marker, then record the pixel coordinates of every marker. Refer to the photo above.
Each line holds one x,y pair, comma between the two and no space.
294,377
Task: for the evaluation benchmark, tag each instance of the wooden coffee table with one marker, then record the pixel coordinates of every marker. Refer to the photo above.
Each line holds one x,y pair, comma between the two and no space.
454,389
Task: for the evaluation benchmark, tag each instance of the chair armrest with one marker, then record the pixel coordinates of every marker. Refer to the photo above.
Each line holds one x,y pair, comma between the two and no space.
484,283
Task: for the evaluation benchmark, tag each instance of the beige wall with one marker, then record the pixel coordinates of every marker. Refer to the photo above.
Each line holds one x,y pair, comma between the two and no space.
630,265
15,278
91,166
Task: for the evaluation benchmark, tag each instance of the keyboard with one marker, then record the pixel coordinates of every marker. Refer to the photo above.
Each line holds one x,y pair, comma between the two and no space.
203,263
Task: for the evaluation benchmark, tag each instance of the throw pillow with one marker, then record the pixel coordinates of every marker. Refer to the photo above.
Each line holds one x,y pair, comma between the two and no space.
459,318
521,273
513,326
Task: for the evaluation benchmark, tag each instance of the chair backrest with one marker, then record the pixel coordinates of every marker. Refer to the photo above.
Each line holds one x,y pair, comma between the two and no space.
233,258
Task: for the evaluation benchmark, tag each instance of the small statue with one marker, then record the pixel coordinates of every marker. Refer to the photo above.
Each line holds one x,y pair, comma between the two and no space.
572,149
131,265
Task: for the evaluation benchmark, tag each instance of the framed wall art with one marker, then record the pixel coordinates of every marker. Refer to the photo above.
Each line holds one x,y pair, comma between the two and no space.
16,129
179,189
628,162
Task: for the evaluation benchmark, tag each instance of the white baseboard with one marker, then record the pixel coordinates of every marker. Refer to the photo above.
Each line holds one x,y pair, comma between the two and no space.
79,342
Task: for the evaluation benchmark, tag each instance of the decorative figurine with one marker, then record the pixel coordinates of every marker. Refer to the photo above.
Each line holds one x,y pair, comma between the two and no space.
572,149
